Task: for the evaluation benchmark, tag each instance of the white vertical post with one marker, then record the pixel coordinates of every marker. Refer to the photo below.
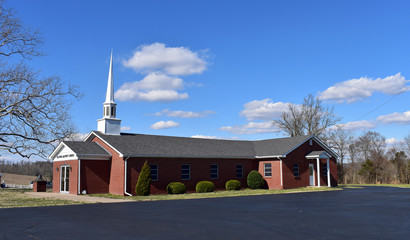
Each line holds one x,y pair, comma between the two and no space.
328,173
281,173
318,172
79,176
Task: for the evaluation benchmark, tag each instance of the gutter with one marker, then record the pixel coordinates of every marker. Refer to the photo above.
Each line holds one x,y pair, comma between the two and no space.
125,177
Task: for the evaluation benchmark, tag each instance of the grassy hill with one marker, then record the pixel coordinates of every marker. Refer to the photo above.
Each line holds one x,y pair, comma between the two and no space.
11,178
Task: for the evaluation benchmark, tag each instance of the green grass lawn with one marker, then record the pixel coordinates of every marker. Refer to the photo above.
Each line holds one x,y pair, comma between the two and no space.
12,198
217,194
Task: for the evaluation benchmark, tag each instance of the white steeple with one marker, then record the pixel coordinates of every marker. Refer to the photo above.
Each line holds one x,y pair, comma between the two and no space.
109,124
109,98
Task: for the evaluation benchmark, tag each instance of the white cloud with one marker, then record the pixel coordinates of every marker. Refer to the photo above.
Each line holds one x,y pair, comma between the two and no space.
164,125
214,137
356,125
251,128
206,137
169,60
183,114
394,141
154,87
398,118
125,128
76,137
263,110
356,89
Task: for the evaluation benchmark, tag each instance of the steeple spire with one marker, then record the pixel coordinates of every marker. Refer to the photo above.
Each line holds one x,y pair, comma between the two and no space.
109,124
109,98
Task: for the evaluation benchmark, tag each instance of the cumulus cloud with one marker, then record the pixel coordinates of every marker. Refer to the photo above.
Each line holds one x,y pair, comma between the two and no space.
264,109
164,125
206,137
125,128
354,90
398,118
394,141
251,128
169,60
154,87
183,114
356,125
76,137
162,65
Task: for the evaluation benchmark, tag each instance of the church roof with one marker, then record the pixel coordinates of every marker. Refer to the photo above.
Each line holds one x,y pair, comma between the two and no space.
86,148
167,146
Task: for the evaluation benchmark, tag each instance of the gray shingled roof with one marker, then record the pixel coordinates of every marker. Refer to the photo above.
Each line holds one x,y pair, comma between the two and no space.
154,145
86,148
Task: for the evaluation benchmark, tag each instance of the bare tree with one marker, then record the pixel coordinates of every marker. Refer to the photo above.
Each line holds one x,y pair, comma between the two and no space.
339,140
309,118
34,110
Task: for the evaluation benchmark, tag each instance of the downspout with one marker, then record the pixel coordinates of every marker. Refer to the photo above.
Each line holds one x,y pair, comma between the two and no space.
281,172
125,177
79,175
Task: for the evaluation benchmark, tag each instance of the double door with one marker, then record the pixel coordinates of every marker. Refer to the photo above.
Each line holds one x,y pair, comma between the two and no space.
65,179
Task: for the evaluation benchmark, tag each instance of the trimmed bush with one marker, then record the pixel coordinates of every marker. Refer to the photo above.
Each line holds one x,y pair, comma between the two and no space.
204,186
255,180
144,181
176,188
233,185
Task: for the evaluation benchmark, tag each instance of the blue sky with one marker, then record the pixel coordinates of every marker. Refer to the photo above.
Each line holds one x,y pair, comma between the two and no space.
224,69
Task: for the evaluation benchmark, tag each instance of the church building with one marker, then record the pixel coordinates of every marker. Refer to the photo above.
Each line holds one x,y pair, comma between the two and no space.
109,161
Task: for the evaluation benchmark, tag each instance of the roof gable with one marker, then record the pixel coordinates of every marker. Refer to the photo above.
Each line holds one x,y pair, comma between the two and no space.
73,150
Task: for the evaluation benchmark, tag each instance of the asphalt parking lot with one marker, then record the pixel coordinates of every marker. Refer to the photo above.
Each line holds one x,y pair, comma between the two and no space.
368,213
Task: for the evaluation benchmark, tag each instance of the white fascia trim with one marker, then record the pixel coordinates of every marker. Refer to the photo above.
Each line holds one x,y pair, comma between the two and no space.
60,145
323,145
92,133
274,156
66,159
182,156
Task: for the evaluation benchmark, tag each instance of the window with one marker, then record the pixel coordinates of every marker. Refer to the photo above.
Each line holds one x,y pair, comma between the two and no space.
324,169
185,172
296,170
154,172
267,167
310,142
239,170
214,171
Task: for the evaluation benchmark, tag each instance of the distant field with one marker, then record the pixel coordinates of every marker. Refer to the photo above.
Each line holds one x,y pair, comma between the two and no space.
10,178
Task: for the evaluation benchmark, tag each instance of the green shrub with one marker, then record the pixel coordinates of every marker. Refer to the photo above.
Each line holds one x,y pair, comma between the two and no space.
233,185
176,188
204,186
144,181
255,180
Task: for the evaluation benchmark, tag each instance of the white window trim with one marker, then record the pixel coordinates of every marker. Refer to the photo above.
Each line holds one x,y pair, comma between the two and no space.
264,169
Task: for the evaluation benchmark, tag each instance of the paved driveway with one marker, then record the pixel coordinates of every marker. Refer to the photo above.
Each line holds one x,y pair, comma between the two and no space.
369,213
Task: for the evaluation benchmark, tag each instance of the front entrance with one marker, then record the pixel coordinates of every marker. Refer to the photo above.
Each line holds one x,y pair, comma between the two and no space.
311,174
65,179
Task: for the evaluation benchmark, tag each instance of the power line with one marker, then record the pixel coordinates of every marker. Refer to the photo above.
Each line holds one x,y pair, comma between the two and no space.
381,105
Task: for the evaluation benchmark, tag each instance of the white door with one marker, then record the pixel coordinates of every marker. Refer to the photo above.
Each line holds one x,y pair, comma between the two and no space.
64,179
311,174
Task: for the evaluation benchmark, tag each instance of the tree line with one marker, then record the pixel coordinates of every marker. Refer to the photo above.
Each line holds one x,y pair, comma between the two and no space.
28,168
368,158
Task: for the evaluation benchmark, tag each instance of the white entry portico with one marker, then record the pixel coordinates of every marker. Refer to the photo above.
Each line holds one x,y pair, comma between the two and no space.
320,155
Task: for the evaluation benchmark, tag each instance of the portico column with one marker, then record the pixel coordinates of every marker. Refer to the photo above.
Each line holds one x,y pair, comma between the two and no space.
328,173
318,172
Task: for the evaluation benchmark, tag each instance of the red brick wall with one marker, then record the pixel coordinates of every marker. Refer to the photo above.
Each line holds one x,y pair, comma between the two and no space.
116,185
73,176
273,182
169,170
95,176
299,156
